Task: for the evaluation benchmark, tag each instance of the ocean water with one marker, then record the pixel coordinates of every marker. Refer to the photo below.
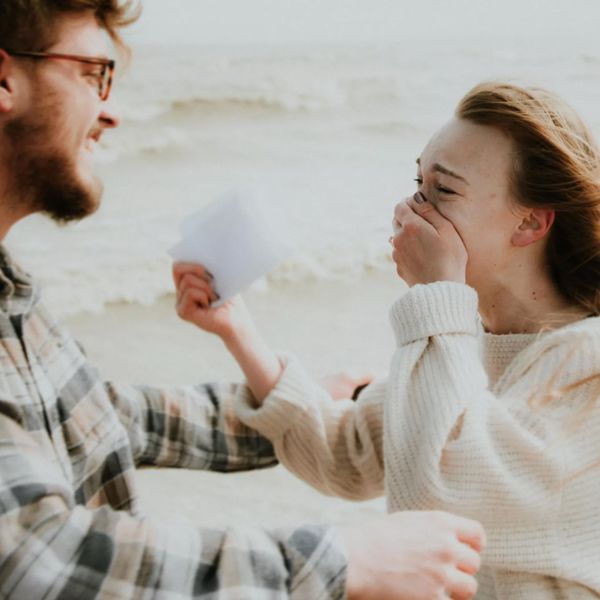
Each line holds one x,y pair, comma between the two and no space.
328,136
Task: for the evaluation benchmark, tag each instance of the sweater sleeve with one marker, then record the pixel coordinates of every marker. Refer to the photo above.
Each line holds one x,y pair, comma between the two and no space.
451,444
333,445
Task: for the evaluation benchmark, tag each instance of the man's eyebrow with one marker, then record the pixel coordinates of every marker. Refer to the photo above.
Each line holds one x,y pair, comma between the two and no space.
441,169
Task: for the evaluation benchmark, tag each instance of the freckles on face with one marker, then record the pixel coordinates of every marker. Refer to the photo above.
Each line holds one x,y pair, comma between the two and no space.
465,172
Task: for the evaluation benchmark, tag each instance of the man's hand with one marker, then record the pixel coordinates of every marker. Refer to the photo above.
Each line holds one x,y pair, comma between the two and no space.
343,385
427,247
413,556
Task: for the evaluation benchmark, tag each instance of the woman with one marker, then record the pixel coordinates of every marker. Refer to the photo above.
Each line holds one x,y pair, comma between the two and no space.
490,410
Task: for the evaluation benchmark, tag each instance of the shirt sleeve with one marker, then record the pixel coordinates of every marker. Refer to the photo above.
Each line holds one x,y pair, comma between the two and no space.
51,547
192,427
333,445
450,443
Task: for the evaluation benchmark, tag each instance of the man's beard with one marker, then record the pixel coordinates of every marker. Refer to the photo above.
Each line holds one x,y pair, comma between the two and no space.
45,177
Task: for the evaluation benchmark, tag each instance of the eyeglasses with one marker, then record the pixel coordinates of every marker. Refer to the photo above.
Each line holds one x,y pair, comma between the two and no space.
105,75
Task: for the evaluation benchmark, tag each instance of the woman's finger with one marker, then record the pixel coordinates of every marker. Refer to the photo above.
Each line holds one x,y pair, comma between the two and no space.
402,213
396,227
193,281
211,295
191,300
181,268
408,221
422,207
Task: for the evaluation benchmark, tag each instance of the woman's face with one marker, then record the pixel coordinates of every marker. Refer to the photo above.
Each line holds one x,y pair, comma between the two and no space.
464,172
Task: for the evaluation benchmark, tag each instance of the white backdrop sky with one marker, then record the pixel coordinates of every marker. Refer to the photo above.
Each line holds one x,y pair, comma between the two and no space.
371,21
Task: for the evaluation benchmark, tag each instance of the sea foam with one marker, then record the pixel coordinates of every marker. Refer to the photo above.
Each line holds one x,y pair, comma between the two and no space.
331,134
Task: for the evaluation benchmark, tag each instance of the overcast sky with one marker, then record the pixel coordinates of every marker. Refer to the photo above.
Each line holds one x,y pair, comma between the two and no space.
343,21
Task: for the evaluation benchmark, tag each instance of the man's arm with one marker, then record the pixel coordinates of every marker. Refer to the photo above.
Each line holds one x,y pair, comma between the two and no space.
192,427
52,547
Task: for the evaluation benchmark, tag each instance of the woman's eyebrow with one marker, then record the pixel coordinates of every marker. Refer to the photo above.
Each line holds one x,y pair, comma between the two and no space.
441,169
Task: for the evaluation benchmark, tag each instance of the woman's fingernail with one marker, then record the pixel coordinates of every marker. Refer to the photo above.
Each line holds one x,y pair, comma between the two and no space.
419,198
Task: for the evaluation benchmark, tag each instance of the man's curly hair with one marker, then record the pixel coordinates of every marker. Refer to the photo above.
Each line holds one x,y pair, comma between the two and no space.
30,25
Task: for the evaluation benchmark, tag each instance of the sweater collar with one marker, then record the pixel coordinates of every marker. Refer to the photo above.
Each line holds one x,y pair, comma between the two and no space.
499,351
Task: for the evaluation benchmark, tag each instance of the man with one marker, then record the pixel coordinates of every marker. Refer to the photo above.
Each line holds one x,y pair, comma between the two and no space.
69,443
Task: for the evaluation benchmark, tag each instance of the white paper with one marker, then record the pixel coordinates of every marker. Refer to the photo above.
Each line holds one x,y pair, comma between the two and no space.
235,240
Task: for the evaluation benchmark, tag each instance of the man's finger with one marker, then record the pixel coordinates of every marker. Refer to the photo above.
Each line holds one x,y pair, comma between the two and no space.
461,586
467,559
472,533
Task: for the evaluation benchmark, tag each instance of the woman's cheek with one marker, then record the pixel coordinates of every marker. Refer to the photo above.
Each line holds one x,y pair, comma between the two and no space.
463,225
448,212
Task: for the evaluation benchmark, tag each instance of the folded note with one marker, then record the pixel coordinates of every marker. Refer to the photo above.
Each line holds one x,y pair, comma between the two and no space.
235,240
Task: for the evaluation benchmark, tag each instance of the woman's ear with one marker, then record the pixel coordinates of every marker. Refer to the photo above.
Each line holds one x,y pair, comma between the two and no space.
6,84
534,226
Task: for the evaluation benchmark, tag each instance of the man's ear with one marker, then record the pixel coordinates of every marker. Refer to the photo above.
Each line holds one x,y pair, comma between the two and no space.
6,83
534,226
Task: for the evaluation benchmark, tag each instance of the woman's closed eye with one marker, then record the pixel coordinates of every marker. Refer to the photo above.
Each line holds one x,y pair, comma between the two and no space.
440,188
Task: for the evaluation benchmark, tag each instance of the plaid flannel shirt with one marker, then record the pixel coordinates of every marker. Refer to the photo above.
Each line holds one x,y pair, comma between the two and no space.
69,443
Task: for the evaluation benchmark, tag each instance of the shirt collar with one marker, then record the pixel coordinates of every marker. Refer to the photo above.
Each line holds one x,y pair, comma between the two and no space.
16,286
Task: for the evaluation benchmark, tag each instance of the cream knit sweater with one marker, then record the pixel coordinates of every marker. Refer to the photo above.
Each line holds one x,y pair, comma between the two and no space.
456,430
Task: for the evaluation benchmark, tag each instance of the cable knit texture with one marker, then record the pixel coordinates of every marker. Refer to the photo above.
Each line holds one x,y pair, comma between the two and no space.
460,427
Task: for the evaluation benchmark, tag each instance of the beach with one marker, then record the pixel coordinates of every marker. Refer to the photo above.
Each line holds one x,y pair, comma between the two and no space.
332,326
327,135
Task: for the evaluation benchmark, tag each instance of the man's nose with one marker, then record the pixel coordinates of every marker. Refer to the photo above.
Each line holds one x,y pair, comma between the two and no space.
109,117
